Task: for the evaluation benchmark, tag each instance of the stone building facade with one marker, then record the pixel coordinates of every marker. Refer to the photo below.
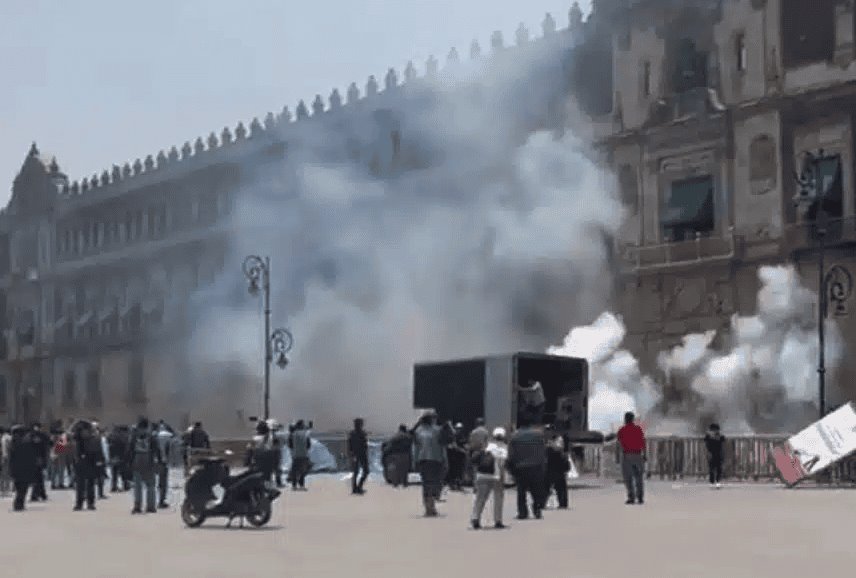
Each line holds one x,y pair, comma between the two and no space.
715,103
94,273
702,108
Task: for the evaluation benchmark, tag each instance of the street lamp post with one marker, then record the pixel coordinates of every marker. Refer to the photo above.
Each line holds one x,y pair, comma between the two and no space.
257,271
834,285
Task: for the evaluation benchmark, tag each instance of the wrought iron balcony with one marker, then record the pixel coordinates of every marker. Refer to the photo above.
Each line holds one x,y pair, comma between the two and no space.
701,249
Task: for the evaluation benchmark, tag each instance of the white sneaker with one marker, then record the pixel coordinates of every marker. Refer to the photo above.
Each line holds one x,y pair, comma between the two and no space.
718,485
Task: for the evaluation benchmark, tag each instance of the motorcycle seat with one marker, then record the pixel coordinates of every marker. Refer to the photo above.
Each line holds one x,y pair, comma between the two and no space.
233,480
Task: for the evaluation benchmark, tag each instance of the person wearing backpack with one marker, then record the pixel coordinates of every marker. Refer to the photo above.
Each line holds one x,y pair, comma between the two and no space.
489,465
143,457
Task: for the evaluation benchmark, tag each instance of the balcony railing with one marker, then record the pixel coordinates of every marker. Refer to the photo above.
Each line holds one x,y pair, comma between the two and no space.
804,235
702,249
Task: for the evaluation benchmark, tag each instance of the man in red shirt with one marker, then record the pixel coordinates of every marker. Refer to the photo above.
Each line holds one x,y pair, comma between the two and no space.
632,440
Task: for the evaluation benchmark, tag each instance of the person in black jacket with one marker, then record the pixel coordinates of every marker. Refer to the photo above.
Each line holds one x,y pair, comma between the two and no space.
714,442
358,451
117,443
198,438
88,461
397,456
557,469
23,464
299,443
42,446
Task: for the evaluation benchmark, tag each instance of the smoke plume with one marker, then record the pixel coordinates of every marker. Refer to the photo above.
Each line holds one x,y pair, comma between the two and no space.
763,379
452,218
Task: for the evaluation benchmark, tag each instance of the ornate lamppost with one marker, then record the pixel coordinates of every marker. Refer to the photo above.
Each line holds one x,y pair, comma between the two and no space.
836,284
279,341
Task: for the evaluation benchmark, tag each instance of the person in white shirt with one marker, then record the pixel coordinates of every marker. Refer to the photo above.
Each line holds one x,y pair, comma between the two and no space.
490,478
164,437
532,402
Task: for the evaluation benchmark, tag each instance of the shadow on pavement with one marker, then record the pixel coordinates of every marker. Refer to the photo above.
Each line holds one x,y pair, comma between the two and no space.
235,527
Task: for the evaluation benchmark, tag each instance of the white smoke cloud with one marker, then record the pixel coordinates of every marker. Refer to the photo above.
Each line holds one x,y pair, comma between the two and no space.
762,381
616,383
492,238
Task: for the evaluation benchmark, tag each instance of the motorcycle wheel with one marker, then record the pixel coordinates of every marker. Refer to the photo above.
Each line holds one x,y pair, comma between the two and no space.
261,515
190,516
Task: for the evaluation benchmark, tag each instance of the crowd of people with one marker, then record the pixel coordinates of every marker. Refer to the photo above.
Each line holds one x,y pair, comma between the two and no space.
83,456
265,451
536,458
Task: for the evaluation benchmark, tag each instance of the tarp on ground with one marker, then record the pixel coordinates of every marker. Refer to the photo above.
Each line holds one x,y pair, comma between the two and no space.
818,446
323,460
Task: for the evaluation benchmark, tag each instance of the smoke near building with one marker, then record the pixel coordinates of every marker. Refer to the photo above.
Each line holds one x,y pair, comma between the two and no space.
760,379
620,185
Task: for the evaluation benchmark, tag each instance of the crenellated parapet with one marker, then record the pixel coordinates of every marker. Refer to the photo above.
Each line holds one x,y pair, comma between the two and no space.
274,124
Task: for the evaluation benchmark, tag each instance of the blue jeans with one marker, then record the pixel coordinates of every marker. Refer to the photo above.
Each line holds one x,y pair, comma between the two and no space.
146,477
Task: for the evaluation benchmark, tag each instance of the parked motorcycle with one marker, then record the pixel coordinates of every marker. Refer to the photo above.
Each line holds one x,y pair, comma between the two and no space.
246,496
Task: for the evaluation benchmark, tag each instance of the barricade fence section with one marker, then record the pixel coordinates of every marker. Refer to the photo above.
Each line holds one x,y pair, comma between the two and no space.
747,458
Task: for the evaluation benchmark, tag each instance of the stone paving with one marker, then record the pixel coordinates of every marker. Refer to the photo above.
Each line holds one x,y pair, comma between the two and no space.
683,531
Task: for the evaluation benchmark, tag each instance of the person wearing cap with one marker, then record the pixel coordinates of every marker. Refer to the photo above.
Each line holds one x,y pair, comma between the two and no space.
490,479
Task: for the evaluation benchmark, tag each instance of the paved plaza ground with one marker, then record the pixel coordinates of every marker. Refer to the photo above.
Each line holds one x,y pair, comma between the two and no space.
683,531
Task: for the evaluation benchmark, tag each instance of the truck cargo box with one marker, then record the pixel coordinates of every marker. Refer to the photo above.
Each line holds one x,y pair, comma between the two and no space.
466,389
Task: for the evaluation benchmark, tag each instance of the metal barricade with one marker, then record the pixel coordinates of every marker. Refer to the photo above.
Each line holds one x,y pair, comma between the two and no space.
746,459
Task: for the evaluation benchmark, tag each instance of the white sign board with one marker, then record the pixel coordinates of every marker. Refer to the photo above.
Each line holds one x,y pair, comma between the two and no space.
818,446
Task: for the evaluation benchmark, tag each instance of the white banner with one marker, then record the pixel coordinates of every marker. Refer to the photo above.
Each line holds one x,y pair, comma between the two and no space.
818,446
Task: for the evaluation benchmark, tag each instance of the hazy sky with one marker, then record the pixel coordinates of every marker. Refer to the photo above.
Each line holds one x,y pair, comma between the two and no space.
100,82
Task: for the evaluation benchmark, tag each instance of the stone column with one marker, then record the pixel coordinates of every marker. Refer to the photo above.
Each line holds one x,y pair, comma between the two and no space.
844,32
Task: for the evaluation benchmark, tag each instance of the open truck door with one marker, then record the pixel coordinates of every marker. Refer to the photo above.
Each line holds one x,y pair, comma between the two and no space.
489,388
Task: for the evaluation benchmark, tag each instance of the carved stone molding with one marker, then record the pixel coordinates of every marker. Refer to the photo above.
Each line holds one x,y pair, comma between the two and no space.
688,163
